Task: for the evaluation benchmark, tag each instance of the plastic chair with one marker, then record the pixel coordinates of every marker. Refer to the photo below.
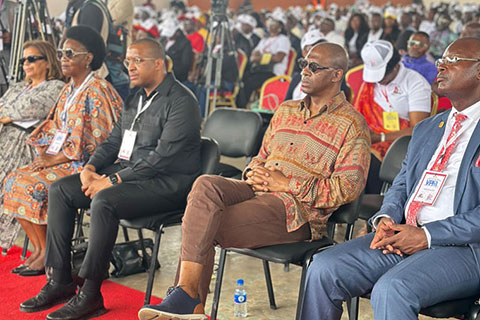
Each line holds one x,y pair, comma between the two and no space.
434,104
298,253
273,92
390,167
210,155
228,98
292,58
354,79
238,133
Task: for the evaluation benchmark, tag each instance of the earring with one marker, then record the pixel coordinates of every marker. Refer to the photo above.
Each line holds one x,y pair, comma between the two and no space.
87,66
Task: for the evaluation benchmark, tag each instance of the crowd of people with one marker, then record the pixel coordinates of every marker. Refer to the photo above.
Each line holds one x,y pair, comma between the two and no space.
110,121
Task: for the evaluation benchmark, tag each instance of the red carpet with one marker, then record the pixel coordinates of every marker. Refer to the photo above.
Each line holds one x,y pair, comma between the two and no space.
121,302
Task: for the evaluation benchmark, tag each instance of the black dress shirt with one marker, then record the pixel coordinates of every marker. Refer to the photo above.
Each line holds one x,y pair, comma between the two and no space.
167,144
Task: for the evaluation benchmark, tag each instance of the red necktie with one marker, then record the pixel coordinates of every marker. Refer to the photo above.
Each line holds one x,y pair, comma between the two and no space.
439,164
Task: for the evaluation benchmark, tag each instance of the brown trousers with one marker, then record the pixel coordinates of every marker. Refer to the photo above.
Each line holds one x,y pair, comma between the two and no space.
226,212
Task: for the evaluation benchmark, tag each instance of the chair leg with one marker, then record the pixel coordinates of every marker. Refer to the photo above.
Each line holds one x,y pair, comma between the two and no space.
25,248
151,269
125,234
268,280
301,291
218,283
79,230
144,251
353,306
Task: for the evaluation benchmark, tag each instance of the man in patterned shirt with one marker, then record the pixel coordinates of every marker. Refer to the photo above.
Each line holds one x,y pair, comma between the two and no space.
314,158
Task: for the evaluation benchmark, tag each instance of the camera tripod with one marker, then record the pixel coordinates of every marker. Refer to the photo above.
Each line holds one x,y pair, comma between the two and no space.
219,30
32,21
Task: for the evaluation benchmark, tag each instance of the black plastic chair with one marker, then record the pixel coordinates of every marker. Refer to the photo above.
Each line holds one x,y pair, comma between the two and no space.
239,133
390,167
298,253
210,156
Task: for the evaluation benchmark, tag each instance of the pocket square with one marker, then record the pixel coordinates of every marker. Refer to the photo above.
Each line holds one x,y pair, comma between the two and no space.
477,163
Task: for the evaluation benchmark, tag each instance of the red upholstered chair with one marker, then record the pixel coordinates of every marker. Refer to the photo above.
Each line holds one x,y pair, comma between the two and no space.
273,92
354,79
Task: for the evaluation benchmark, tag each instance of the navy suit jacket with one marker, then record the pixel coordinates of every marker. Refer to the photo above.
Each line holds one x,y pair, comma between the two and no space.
463,228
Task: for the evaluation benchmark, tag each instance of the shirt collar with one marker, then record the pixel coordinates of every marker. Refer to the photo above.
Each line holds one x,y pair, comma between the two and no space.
416,60
334,103
162,89
472,112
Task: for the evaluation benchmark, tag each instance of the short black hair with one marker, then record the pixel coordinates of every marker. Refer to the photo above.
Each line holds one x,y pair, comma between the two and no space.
394,60
92,41
156,47
421,33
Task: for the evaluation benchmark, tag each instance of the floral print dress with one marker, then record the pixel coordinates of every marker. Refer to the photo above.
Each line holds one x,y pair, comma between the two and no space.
88,120
21,103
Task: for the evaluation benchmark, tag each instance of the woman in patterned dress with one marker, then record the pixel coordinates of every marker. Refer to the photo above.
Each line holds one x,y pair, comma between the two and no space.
83,117
26,101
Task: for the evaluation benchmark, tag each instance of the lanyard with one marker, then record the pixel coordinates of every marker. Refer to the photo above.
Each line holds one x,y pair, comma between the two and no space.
71,98
141,109
453,138
383,90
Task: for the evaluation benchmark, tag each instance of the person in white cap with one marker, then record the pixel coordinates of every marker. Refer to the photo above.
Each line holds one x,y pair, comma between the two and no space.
178,48
391,31
268,59
243,35
310,39
393,99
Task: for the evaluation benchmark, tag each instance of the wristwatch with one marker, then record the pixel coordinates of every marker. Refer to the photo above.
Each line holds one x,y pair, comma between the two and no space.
113,179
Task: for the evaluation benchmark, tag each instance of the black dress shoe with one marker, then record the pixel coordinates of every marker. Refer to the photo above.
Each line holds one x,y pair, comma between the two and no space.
19,268
80,306
29,272
51,294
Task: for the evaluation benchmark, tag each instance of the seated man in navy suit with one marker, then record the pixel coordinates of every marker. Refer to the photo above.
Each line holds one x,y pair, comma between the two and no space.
427,242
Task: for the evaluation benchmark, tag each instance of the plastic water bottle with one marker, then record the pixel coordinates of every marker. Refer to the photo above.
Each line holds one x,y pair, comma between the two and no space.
240,300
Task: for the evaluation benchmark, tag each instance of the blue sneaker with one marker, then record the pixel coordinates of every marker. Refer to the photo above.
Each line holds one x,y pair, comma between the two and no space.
177,305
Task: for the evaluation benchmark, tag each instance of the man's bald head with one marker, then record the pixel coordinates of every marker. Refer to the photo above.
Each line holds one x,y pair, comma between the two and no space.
332,55
471,30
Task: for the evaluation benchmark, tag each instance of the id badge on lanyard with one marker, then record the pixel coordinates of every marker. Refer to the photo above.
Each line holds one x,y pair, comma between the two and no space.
128,141
391,121
57,142
431,184
61,135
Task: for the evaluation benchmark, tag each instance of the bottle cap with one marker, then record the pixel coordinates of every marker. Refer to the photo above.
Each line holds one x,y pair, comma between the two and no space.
240,282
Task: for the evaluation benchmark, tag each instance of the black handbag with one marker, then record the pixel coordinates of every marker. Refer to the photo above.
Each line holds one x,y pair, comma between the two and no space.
128,257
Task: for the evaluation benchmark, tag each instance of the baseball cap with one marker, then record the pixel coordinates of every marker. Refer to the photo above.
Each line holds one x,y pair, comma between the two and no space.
375,56
312,36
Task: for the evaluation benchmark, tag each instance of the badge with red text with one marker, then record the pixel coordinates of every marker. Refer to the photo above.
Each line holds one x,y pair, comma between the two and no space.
57,142
430,186
128,143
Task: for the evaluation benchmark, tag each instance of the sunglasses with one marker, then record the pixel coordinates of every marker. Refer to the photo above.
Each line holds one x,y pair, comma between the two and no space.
69,53
452,60
416,43
136,61
31,59
312,66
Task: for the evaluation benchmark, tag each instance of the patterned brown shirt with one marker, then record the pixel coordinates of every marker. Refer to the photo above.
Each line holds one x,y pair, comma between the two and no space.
326,157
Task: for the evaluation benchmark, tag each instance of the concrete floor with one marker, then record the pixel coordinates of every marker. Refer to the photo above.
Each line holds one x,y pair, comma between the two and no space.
286,284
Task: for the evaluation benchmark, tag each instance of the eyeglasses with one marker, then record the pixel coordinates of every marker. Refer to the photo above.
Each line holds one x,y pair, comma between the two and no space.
31,59
312,66
69,53
416,43
449,61
136,61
